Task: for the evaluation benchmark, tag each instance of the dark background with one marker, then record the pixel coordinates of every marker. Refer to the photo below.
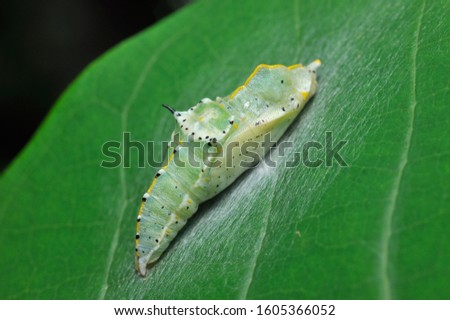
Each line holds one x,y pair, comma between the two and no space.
45,44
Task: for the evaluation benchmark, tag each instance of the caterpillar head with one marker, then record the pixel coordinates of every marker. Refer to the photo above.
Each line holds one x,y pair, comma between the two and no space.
271,88
312,70
272,97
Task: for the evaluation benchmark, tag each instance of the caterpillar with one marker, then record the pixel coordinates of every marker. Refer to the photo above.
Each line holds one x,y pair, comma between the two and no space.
266,103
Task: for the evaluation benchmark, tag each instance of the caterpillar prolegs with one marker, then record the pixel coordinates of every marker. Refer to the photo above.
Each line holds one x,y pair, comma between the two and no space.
266,103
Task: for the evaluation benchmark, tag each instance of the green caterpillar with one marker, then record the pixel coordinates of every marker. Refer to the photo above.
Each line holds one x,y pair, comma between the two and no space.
266,103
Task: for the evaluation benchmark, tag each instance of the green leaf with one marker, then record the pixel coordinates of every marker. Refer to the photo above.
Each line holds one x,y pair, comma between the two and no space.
377,228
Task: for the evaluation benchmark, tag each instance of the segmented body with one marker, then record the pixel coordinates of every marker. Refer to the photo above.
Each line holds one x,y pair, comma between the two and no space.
268,102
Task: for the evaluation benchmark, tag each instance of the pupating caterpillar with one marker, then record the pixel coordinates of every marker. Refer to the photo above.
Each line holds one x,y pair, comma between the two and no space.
266,103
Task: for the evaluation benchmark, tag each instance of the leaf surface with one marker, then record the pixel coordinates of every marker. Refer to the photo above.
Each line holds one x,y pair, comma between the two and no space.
377,228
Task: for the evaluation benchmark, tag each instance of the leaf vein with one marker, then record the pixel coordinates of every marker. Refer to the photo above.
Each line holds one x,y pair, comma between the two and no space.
259,243
386,281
